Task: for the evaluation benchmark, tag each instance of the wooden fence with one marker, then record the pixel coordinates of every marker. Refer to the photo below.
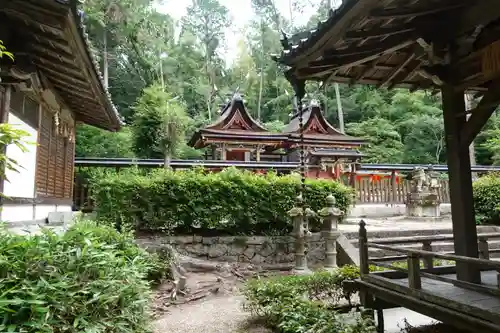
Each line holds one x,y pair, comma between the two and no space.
391,191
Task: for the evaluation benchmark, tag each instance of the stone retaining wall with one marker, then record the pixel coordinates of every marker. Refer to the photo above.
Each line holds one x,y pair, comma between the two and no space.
256,249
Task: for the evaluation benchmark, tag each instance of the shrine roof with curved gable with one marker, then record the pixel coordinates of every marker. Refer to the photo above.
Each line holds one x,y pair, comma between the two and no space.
317,127
235,117
235,122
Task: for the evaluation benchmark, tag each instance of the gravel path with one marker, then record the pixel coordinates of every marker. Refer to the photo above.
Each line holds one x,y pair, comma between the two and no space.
214,315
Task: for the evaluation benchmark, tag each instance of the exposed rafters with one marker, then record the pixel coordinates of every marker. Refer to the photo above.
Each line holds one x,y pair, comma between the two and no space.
406,74
380,32
484,109
374,47
397,70
411,12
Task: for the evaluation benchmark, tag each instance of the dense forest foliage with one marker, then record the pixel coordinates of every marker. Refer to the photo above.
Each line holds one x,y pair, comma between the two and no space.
139,47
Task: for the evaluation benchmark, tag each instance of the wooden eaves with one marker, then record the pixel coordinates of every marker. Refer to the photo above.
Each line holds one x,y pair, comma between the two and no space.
451,46
50,35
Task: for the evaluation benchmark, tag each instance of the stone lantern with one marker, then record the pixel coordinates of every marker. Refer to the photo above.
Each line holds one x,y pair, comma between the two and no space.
330,216
301,234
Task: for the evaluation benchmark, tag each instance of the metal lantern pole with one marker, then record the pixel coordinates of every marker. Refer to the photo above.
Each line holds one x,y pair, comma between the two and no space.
302,151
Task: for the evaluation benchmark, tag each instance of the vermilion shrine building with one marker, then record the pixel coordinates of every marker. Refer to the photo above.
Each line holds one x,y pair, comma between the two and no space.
236,136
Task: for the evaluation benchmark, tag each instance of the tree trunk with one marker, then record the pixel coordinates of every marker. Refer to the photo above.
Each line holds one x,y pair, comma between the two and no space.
261,69
340,112
210,92
166,161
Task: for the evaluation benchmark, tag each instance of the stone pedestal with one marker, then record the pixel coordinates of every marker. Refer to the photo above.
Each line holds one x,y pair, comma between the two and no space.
301,233
330,216
423,204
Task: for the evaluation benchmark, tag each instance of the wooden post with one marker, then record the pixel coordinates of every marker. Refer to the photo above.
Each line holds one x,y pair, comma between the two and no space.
414,279
257,154
428,261
4,118
364,267
380,321
460,179
214,152
394,187
484,252
223,153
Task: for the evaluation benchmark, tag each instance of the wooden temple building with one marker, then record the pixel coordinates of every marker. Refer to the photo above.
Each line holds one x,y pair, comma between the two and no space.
236,136
52,84
451,47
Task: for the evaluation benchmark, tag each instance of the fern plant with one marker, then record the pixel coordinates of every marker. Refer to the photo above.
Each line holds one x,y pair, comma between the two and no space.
4,52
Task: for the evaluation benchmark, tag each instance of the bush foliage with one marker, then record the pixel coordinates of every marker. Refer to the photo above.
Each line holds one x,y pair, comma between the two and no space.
306,303
89,279
487,199
230,202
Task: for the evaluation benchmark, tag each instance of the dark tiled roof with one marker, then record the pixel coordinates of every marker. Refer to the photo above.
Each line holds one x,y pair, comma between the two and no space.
300,41
396,43
233,115
111,108
53,34
328,132
228,112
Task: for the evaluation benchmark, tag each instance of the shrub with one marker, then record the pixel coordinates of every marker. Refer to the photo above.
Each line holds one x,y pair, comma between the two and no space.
89,279
230,202
487,199
305,303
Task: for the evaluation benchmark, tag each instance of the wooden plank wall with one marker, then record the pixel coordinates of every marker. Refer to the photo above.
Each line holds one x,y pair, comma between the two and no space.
54,177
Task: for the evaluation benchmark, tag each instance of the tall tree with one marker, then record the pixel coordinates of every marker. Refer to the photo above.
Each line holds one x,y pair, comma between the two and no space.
207,20
159,125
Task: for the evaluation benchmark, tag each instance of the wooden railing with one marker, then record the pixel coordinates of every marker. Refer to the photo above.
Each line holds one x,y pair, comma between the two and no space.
415,257
427,245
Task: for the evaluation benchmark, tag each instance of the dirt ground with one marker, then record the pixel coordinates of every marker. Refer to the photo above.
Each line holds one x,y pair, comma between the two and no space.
211,303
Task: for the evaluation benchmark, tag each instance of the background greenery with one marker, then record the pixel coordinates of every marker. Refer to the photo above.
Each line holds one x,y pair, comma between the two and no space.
143,49
487,199
229,202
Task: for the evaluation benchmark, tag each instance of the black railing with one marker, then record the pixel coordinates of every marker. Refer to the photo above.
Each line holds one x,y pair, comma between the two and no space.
157,163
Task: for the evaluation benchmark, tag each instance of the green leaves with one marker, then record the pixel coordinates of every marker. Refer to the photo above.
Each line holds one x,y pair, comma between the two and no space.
159,124
487,199
90,279
230,202
4,52
304,303
9,135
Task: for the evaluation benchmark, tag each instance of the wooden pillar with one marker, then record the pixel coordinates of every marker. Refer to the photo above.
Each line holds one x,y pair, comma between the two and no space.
394,187
214,152
223,152
4,118
257,154
460,180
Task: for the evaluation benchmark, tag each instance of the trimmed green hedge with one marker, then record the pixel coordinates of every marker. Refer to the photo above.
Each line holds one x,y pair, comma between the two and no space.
487,199
228,202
